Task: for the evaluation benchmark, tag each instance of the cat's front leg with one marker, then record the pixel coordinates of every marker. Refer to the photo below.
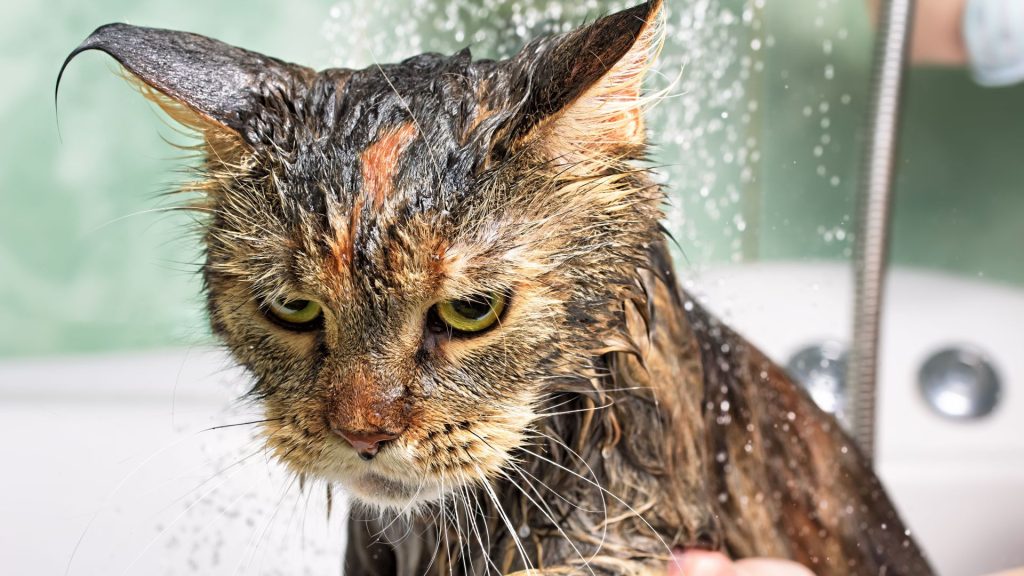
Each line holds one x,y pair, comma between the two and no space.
603,566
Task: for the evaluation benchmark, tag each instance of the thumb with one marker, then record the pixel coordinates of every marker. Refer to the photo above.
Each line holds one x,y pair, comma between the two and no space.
701,563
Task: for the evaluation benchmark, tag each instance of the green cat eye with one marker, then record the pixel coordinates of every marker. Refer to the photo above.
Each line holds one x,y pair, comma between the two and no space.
298,314
472,314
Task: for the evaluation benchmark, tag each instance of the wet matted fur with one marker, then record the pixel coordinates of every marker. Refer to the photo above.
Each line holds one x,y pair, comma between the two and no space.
604,420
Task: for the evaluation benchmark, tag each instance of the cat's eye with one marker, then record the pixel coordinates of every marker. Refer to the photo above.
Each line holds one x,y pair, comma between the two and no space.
472,314
295,314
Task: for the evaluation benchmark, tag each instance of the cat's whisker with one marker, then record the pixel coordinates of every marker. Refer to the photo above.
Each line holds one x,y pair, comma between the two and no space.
547,410
305,511
222,512
473,526
485,549
213,477
444,528
408,530
627,389
288,523
604,505
456,500
109,499
467,547
549,514
159,210
577,411
559,442
603,512
554,492
602,489
250,423
505,518
565,397
406,508
304,504
255,544
174,521
437,541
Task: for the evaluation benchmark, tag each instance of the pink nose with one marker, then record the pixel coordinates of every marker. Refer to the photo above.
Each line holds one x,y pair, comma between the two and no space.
365,443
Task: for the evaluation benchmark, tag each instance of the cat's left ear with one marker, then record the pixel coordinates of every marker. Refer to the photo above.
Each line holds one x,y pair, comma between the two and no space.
225,92
585,89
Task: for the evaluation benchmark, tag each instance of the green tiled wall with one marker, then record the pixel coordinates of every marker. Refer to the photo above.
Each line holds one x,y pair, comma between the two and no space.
86,264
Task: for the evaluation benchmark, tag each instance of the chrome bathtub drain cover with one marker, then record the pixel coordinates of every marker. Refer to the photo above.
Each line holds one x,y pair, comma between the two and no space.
959,383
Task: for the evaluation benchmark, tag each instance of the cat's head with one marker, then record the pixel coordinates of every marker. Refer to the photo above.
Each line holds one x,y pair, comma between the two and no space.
411,258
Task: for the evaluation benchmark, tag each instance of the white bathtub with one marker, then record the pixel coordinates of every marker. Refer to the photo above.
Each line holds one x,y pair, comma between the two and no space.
110,468
106,458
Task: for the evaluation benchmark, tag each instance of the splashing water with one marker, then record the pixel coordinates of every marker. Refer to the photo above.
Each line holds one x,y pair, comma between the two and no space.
211,501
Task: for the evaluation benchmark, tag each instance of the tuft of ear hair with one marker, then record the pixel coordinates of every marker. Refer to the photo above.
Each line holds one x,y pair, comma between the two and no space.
586,89
220,90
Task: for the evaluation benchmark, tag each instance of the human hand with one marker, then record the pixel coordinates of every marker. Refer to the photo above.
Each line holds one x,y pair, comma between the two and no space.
704,563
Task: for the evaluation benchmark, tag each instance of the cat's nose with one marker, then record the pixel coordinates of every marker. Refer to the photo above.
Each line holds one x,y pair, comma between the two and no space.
366,443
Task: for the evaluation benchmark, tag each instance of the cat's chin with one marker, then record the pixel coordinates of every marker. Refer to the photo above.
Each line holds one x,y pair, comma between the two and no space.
391,481
378,491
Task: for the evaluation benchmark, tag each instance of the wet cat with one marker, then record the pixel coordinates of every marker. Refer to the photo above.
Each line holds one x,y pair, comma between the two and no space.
448,281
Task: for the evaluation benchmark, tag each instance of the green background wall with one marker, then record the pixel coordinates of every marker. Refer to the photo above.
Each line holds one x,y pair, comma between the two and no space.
89,263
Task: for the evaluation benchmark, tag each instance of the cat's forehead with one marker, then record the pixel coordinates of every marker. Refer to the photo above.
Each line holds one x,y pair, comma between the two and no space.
389,135
438,94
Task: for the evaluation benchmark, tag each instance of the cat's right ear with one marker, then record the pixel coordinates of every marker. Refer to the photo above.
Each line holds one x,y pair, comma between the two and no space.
224,92
583,89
